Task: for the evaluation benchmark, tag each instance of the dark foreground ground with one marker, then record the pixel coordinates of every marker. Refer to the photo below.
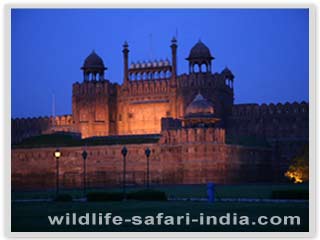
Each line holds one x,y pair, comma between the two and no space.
33,216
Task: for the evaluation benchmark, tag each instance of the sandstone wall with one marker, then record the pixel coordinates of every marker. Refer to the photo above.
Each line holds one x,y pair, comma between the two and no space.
190,163
94,108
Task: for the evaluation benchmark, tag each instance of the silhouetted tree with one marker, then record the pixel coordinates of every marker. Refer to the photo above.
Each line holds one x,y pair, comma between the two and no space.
299,168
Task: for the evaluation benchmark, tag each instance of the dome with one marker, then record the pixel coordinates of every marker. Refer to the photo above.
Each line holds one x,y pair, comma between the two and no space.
199,107
226,72
200,50
93,61
155,63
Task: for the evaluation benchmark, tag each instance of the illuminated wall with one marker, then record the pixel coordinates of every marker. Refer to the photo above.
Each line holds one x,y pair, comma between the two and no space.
187,163
144,118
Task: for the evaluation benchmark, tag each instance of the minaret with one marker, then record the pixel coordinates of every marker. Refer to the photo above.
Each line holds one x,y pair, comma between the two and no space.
125,62
174,60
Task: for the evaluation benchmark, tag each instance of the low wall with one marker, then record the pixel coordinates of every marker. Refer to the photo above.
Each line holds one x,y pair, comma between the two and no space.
169,164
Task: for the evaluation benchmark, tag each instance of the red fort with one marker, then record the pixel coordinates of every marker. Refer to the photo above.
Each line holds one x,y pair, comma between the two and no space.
199,134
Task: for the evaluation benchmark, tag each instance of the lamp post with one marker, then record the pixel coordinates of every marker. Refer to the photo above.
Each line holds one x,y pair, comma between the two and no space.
147,152
124,152
84,156
57,155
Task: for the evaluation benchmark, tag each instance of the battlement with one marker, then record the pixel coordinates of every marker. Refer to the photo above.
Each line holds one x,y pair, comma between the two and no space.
205,80
154,86
58,120
274,122
193,135
27,127
239,110
93,88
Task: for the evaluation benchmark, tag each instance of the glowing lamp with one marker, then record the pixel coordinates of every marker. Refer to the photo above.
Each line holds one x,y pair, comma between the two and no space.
57,154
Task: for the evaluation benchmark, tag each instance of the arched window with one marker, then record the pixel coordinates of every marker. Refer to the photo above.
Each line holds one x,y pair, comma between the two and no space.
156,75
204,67
196,68
144,76
161,74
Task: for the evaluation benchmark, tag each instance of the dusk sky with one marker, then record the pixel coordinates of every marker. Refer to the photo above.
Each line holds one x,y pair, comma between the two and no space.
267,50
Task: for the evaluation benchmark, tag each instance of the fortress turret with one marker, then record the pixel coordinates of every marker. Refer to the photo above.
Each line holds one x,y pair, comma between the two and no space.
93,68
200,59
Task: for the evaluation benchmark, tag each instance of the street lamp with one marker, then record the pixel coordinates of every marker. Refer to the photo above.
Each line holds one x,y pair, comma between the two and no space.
57,155
147,152
84,156
124,152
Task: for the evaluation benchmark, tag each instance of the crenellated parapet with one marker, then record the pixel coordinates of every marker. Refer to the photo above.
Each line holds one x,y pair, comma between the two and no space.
275,122
27,127
201,80
249,110
193,135
63,120
93,88
158,86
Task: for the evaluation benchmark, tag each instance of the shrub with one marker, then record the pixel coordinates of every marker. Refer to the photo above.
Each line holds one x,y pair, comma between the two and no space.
147,195
290,194
104,196
63,198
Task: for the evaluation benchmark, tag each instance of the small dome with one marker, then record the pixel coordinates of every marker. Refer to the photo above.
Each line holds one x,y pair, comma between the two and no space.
199,107
93,61
155,63
138,64
226,72
200,50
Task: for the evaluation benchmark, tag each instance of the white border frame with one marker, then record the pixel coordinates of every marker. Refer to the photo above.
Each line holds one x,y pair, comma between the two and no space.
166,4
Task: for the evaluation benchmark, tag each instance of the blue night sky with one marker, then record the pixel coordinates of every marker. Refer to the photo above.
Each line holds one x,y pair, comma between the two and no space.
267,50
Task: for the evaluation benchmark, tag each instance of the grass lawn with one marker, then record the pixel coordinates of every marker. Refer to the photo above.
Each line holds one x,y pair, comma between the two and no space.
34,216
187,191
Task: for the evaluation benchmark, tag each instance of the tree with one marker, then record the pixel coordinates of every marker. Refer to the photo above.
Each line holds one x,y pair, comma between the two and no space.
299,168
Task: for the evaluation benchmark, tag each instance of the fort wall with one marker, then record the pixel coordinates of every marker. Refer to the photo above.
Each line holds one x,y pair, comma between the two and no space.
22,128
284,126
187,163
273,121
